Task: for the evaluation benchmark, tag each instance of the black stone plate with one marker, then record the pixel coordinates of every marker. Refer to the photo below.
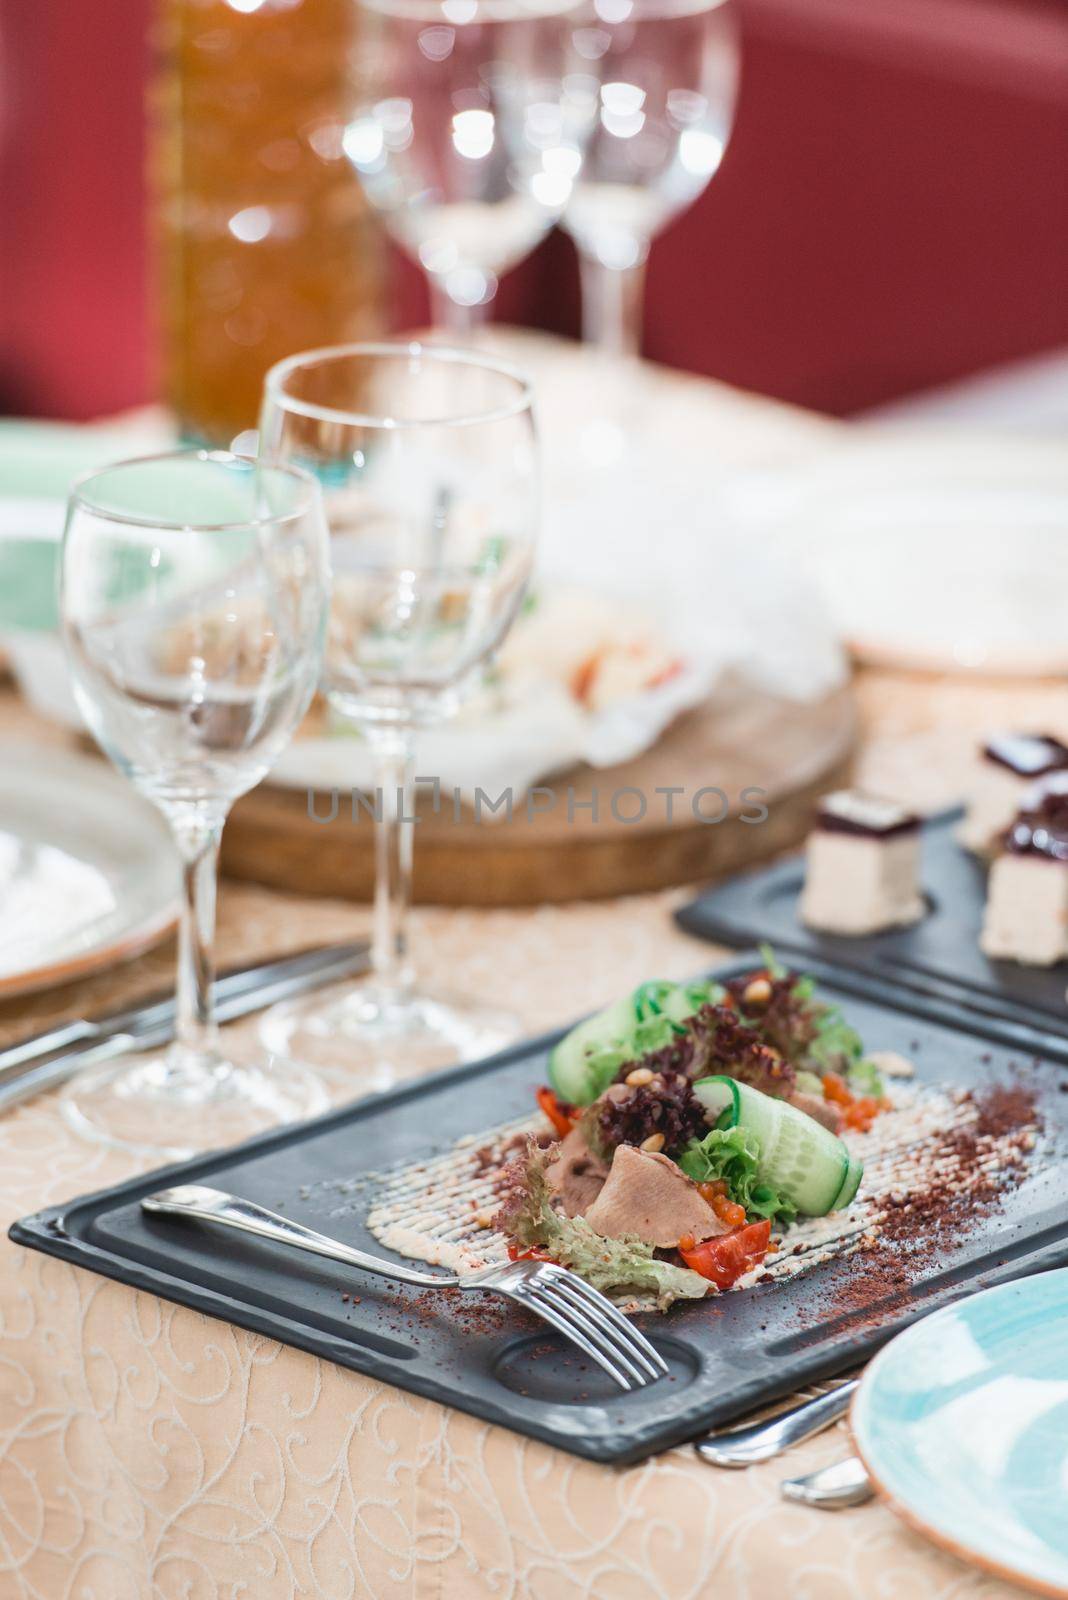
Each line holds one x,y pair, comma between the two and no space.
937,958
482,1355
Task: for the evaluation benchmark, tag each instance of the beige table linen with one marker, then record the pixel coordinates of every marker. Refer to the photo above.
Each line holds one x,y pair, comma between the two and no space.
150,1453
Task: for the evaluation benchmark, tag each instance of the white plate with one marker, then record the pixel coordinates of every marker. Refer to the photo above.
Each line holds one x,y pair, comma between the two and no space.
944,552
88,873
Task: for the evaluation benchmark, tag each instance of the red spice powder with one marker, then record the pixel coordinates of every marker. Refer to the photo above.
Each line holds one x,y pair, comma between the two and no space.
920,1228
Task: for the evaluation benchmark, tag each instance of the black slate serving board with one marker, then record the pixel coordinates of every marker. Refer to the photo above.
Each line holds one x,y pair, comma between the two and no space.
727,1354
938,958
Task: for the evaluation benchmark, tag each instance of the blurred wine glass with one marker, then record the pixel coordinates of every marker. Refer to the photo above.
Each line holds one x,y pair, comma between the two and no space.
464,137
657,85
193,601
428,461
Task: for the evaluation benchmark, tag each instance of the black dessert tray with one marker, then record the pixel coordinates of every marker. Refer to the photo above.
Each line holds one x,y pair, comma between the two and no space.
727,1353
937,960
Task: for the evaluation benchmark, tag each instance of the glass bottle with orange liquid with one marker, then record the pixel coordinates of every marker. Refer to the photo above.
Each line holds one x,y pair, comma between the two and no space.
266,245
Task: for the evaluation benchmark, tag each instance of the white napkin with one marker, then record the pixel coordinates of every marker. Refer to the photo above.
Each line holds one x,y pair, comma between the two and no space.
658,533
541,734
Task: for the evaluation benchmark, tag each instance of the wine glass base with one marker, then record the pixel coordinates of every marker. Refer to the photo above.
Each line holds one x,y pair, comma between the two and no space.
139,1103
368,1041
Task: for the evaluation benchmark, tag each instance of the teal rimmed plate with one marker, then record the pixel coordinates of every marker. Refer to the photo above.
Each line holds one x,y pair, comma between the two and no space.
962,1424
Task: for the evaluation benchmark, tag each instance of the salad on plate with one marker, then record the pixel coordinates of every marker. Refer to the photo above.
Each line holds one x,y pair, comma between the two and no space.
693,1124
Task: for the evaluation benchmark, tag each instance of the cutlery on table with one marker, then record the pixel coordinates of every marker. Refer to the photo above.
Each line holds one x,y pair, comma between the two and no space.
845,1483
561,1298
759,1441
51,1058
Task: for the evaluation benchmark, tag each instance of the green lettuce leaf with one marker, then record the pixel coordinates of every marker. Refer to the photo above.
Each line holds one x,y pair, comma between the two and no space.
834,1045
837,1047
603,1065
772,965
865,1078
611,1265
653,1033
648,998
703,993
732,1154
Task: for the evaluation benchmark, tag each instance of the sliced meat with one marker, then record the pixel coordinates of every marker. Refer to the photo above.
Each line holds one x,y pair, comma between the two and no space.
813,1105
648,1197
574,1174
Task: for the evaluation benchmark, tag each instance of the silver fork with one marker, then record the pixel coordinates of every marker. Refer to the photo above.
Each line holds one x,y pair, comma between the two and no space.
561,1298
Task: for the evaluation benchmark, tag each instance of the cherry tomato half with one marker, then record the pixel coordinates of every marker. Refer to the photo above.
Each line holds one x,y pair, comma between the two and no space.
562,1117
534,1252
726,1259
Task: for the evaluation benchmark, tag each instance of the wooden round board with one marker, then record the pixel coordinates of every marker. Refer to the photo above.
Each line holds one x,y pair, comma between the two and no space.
647,833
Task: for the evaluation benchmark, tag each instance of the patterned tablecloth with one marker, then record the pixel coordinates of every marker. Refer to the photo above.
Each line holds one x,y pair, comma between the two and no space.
150,1453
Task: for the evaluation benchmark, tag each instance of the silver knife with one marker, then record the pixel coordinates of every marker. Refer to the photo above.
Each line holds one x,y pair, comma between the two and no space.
44,1062
152,1012
744,1447
844,1483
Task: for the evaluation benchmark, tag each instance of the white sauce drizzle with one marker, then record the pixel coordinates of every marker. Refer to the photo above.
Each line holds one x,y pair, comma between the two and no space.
439,1210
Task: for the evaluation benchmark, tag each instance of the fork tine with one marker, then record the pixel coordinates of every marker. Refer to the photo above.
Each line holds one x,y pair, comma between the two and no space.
600,1329
527,1296
612,1322
576,1317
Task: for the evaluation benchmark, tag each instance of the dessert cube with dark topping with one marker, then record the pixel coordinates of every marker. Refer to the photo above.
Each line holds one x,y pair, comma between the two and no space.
1010,765
1026,915
863,866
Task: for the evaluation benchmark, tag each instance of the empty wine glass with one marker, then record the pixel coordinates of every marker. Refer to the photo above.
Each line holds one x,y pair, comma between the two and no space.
463,137
428,461
658,83
193,600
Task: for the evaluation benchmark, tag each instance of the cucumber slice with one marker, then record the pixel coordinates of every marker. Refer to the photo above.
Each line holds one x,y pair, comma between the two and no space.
677,1004
850,1184
618,1028
798,1157
570,1072
649,999
721,1101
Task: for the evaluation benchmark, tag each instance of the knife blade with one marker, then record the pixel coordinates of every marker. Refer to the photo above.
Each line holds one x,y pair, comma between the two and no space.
844,1483
43,1063
150,1013
744,1447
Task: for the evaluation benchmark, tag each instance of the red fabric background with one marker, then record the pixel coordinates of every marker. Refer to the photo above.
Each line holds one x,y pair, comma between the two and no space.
892,212
74,335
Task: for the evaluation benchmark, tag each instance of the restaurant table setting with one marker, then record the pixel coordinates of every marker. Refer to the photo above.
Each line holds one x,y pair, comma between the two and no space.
259,1429
421,1024
532,895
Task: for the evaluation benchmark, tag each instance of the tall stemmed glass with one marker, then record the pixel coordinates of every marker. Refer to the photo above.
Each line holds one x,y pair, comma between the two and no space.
659,78
428,461
463,137
193,598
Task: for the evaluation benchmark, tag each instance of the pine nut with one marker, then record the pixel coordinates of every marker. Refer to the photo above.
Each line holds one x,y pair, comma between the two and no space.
639,1077
654,1143
757,993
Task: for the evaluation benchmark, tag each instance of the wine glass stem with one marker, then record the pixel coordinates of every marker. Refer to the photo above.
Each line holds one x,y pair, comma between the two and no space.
612,300
196,1036
458,320
394,837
